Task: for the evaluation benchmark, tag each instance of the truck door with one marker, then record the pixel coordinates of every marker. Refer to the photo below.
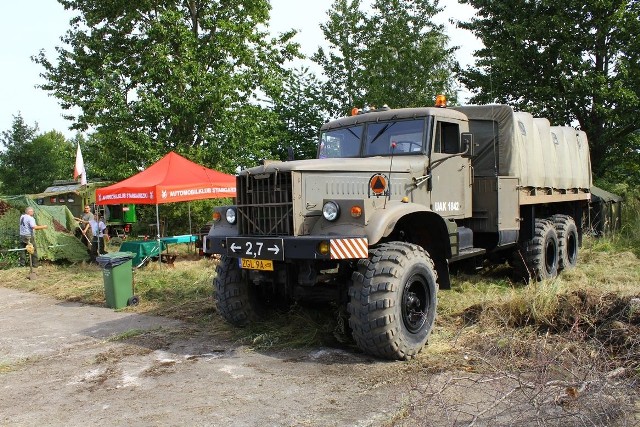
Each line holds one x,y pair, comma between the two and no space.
450,172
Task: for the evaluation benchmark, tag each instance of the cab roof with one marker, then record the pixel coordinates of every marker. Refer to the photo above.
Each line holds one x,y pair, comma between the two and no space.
394,114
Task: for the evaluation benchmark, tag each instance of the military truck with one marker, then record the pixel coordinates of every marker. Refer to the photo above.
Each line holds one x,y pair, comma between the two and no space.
394,199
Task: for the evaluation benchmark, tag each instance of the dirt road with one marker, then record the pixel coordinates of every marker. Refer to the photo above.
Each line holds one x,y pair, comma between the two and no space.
71,364
67,364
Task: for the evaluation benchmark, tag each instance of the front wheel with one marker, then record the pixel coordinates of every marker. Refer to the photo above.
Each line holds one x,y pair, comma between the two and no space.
393,301
237,298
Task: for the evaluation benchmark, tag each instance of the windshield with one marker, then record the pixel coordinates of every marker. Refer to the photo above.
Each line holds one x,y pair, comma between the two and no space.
379,137
343,142
407,135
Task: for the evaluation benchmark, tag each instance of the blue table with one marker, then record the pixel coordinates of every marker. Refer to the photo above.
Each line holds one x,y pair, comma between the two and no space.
143,250
187,238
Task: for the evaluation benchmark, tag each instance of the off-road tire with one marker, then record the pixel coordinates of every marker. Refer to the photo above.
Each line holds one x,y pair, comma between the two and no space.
567,241
538,258
236,296
393,298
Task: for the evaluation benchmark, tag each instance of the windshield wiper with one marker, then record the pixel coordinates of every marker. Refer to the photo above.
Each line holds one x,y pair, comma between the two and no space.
381,131
354,134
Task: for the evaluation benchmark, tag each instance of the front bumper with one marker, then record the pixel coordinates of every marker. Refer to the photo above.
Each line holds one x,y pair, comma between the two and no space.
287,247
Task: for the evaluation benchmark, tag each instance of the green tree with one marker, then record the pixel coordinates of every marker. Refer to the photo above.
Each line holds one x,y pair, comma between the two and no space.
55,159
150,77
31,162
301,111
341,61
396,55
15,163
407,62
571,61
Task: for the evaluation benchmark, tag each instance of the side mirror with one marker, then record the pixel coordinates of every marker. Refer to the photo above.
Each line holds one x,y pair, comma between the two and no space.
467,144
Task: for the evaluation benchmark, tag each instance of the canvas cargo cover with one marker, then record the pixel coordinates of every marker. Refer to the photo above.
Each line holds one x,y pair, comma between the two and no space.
517,144
530,149
572,151
565,170
551,170
492,128
585,158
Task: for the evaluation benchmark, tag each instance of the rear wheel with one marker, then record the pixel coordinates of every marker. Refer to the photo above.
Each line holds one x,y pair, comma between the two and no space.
393,301
538,258
567,241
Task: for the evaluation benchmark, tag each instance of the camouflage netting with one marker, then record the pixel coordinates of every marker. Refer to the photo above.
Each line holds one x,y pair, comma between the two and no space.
56,243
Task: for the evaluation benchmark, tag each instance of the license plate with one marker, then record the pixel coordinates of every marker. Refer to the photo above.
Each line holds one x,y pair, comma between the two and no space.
256,264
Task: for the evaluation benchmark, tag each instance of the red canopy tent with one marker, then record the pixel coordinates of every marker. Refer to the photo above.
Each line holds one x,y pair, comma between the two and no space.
171,179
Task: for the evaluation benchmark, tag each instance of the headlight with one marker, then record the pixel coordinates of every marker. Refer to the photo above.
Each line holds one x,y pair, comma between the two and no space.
231,215
331,211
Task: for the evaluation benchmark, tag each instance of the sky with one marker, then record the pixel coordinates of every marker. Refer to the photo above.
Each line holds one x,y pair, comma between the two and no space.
28,26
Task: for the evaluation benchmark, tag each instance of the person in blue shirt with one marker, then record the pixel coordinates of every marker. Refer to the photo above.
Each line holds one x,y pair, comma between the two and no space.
28,227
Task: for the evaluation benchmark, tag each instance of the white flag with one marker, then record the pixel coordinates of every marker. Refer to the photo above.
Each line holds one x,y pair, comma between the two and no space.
79,171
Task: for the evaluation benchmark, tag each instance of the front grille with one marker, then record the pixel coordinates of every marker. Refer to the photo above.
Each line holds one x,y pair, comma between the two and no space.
265,205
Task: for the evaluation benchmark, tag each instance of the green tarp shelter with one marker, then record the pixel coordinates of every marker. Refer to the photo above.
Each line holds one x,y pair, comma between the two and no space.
56,243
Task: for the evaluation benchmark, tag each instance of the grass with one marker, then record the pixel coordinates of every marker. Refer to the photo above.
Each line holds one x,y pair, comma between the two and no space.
484,305
7,367
126,335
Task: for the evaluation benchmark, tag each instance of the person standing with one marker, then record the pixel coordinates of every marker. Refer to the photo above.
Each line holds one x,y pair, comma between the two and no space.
86,215
28,227
98,228
85,226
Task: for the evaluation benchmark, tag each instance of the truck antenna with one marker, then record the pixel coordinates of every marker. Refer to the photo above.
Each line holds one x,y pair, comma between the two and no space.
393,150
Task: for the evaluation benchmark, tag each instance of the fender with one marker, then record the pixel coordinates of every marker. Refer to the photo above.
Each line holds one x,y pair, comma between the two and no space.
384,221
416,224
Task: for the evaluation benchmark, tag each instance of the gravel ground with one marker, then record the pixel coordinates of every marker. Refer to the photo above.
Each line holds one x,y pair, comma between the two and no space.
68,364
72,364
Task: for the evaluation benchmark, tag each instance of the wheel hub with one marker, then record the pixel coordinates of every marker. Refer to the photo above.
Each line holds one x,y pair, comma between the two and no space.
414,305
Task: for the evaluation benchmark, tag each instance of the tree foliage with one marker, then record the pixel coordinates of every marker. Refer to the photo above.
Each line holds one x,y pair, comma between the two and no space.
407,62
571,61
301,111
395,55
30,162
341,61
154,76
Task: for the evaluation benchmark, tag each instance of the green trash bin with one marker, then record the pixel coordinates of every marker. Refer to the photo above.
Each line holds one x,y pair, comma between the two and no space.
117,273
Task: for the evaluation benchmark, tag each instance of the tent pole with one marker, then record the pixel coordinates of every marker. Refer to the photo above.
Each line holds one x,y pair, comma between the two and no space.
158,236
190,232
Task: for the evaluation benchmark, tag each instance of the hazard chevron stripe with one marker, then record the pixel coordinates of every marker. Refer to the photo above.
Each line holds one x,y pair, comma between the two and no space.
349,248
